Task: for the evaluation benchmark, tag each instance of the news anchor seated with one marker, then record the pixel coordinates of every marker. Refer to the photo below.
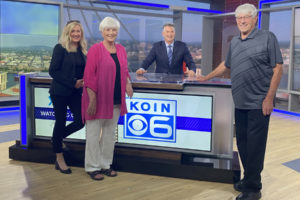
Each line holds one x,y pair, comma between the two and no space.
169,55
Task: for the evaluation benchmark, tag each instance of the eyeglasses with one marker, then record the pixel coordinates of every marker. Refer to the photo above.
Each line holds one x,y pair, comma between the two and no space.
71,21
244,17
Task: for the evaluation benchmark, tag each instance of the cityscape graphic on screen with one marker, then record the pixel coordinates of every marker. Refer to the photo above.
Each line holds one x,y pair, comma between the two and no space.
28,33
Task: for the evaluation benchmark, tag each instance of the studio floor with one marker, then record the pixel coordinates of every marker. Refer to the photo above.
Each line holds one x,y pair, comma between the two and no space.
25,180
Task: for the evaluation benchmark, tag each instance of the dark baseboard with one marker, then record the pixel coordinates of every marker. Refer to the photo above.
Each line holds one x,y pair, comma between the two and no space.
9,101
135,160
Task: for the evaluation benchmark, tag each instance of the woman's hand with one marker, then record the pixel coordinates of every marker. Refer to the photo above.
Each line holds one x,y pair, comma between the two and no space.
129,89
79,83
92,107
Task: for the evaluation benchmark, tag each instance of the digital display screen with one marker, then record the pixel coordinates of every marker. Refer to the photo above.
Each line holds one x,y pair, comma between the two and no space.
44,117
28,24
28,33
175,121
168,120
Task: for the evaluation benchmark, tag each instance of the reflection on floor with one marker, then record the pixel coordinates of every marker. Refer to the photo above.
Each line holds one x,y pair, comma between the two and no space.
9,125
294,164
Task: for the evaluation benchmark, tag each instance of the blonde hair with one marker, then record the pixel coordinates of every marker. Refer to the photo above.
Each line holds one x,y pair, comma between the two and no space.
65,39
109,22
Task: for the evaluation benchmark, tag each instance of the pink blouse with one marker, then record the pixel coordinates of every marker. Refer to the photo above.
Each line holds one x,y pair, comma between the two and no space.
99,76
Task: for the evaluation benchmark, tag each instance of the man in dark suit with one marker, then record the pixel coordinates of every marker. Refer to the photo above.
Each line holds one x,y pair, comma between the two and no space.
169,55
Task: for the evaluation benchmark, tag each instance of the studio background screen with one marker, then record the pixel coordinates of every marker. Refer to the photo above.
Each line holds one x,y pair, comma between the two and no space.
28,33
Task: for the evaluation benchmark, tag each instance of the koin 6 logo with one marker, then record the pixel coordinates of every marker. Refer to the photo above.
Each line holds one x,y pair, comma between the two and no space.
151,119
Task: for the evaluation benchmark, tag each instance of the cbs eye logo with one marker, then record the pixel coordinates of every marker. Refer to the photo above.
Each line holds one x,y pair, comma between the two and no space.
137,125
149,127
150,119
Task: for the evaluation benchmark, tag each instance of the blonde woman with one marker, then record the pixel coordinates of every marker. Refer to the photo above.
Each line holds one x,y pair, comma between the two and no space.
66,69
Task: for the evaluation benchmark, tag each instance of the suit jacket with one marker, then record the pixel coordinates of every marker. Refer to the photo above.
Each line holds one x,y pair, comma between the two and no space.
159,54
62,70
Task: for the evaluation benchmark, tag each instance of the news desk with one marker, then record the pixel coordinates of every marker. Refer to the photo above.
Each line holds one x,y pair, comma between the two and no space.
175,126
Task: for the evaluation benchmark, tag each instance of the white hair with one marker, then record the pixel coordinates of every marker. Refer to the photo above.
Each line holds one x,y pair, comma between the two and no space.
246,9
109,22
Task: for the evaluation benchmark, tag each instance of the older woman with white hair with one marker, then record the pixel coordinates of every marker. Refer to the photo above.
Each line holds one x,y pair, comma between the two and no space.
106,80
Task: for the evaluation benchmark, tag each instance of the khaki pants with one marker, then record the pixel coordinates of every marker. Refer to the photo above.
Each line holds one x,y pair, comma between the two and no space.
100,142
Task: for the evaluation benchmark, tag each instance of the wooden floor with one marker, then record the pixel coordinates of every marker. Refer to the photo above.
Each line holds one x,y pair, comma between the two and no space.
24,180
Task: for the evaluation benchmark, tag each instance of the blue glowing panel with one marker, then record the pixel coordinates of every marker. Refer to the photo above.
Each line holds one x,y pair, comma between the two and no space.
23,110
9,109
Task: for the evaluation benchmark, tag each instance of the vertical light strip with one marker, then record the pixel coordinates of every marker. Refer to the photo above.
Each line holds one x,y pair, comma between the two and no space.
260,7
23,110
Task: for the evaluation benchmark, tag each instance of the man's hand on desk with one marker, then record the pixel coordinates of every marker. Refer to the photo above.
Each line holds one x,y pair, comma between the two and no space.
141,78
191,73
202,78
140,71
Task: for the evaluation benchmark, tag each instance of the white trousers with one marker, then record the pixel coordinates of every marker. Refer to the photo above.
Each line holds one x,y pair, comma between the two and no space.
100,142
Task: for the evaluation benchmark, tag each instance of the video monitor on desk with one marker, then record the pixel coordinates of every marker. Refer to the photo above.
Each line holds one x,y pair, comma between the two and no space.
44,117
175,122
171,121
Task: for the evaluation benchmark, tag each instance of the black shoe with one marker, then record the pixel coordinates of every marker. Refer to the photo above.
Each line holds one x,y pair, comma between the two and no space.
64,171
238,186
96,175
249,196
109,172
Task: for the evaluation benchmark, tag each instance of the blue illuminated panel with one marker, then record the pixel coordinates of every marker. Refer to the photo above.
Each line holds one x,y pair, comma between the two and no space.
287,112
9,109
23,110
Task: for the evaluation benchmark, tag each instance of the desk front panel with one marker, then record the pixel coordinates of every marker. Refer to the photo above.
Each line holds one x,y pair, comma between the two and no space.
156,119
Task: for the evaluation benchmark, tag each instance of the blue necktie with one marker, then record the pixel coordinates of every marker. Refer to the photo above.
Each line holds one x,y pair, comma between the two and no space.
170,54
